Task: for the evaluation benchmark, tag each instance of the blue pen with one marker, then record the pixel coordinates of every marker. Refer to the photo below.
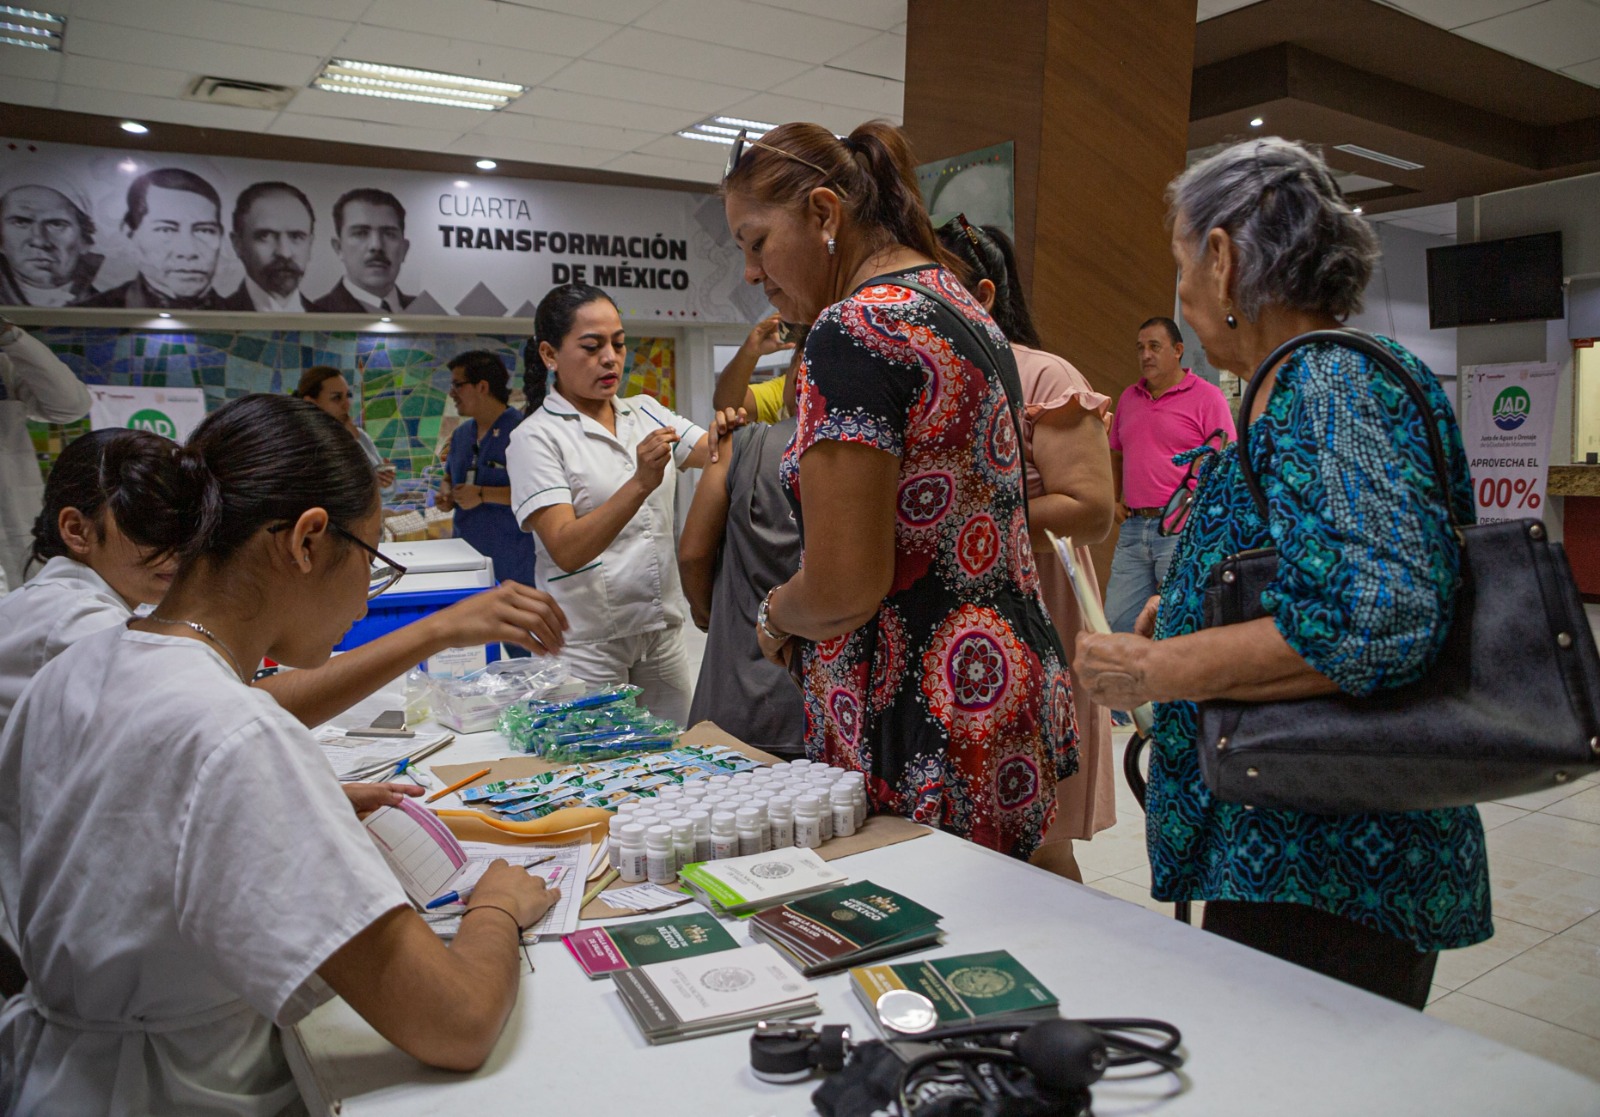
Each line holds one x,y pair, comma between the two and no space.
460,896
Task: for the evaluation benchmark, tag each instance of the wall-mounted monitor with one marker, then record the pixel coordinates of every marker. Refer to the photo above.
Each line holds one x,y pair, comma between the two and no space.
1495,281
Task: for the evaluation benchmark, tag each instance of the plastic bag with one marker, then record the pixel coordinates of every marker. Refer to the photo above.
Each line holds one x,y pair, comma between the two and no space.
600,724
473,703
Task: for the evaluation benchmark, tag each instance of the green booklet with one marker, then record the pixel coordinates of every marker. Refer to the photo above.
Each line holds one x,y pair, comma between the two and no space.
603,951
836,929
964,989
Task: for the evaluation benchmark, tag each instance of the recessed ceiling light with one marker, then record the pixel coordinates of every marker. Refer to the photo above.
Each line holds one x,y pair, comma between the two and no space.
486,164
1357,209
165,314
1257,122
385,318
135,127
429,87
1379,157
725,129
28,27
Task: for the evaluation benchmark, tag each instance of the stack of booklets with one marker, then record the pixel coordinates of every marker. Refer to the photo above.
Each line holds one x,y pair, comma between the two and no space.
691,997
965,989
603,951
742,886
844,926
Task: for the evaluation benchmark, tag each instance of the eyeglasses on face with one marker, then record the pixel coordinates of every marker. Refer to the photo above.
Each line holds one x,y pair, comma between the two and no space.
382,571
1175,514
742,142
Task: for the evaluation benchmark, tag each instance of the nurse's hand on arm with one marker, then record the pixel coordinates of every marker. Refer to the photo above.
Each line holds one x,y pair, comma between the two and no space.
575,541
849,570
509,613
723,423
443,1005
701,541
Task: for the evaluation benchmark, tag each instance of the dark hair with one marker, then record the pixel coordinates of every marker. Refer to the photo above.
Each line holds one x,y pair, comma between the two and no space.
312,379
1165,323
85,222
132,473
168,178
262,460
254,192
481,366
372,197
872,170
986,253
552,322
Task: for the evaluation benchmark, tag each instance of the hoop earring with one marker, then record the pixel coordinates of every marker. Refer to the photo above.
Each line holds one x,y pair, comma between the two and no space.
831,246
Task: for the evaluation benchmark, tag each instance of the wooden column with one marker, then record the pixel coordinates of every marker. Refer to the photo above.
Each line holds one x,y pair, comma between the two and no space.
1095,96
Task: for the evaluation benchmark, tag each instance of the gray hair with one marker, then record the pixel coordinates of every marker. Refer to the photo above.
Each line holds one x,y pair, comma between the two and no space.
1297,242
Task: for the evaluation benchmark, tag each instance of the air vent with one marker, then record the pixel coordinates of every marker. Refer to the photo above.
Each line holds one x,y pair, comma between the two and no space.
243,94
1379,157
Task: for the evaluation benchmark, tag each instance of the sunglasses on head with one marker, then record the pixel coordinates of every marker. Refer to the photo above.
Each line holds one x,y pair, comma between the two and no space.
742,142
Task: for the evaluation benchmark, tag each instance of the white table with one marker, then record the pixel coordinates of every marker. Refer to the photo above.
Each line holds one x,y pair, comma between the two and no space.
1262,1036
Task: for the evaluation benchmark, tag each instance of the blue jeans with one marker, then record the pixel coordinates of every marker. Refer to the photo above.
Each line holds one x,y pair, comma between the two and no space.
1138,568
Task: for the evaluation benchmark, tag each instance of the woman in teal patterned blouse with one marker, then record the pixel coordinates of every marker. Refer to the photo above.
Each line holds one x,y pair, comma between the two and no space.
1368,573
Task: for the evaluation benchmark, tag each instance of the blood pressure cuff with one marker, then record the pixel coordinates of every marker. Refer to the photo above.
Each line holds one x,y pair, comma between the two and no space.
867,1085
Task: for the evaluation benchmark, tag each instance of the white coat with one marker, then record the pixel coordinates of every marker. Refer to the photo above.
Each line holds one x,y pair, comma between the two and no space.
176,861
63,602
34,384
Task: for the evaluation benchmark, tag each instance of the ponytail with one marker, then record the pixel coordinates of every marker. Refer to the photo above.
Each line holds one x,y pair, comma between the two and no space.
535,377
892,200
552,322
130,475
986,253
263,460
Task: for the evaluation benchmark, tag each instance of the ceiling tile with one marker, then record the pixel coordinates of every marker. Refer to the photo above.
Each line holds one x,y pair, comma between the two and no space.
1451,14
29,91
149,48
775,108
220,22
1354,184
165,110
612,11
346,106
538,129
530,151
691,58
455,56
1210,8
736,23
1554,34
125,77
558,104
634,163
858,91
641,85
881,14
359,132
486,21
884,56
31,63
346,10
1585,71
688,151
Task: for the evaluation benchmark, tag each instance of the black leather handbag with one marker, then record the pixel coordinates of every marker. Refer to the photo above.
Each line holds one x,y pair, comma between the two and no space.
1512,704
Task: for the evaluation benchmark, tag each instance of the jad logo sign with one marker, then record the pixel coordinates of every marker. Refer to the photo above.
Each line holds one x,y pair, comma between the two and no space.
153,421
1511,408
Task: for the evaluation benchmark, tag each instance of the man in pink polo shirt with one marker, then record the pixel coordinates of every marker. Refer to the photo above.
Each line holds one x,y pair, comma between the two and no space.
1167,412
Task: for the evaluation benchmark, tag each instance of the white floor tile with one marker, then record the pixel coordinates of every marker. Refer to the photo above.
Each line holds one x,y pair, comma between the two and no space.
1557,981
1112,851
1139,876
1584,806
1437,991
1458,967
1539,895
1587,931
1538,800
1498,814
1548,1041
1133,893
1550,840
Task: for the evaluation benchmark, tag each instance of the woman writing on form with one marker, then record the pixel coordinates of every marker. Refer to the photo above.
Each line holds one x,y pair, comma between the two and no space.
156,978
589,480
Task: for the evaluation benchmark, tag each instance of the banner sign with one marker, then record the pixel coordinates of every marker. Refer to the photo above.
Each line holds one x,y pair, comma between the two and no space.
170,412
83,226
1511,411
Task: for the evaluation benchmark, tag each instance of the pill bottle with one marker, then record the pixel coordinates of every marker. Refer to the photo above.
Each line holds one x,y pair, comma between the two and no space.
683,840
659,867
780,821
808,822
724,836
702,832
843,801
748,823
631,863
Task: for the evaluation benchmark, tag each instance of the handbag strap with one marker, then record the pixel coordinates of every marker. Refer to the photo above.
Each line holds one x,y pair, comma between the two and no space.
1369,345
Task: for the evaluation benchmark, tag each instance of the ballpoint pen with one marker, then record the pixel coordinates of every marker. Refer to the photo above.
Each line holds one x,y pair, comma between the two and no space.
460,895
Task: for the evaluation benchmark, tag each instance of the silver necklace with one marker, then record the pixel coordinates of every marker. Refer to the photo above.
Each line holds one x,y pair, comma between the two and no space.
209,635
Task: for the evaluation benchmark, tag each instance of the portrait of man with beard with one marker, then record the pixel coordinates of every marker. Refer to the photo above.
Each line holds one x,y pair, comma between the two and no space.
46,233
174,223
369,236
272,227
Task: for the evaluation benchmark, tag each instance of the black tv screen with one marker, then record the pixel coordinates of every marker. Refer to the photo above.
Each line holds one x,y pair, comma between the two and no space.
1512,280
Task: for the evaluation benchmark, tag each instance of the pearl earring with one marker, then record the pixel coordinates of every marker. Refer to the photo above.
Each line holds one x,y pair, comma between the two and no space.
831,246
1233,323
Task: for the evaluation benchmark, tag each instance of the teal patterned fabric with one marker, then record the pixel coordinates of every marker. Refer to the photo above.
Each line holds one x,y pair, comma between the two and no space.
1368,572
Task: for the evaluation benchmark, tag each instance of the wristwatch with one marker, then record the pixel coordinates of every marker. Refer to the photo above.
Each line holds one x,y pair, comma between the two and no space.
763,613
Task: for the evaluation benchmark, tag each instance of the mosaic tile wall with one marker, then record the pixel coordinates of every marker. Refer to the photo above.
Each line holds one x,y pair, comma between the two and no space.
403,382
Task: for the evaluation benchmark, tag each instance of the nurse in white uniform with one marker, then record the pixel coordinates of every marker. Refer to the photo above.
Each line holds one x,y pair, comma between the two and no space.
588,479
176,859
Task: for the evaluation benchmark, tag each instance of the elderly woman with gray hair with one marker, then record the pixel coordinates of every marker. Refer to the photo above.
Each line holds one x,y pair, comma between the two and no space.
1368,571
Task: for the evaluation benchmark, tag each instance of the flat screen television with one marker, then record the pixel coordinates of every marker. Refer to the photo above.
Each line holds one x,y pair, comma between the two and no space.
1513,280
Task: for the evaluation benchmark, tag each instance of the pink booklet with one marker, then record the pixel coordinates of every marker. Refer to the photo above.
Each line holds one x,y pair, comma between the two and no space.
424,854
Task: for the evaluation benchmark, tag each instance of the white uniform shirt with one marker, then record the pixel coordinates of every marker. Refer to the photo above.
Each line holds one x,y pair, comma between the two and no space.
61,604
34,384
559,456
176,859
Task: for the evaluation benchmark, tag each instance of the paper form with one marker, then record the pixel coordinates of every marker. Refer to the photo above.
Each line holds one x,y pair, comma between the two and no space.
423,853
569,860
1093,613
352,756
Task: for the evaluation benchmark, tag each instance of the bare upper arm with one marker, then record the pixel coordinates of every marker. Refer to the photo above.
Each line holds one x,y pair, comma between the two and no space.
848,485
708,511
1070,452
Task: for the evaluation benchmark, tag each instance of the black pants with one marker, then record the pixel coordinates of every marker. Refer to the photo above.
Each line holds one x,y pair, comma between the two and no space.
1329,944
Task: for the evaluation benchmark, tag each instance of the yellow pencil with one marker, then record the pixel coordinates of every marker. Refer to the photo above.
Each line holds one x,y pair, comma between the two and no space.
599,887
458,785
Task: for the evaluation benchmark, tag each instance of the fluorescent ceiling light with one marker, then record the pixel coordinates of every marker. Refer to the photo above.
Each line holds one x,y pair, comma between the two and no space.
707,136
134,127
740,122
1379,157
726,129
27,27
399,83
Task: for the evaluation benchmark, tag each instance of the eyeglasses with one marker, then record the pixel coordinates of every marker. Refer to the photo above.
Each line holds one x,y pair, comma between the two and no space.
382,572
1176,512
743,141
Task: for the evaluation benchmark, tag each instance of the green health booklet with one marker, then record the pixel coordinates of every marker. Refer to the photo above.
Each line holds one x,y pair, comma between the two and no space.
603,951
836,929
964,989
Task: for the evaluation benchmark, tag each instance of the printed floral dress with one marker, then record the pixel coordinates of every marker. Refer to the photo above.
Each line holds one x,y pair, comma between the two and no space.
954,699
1367,574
